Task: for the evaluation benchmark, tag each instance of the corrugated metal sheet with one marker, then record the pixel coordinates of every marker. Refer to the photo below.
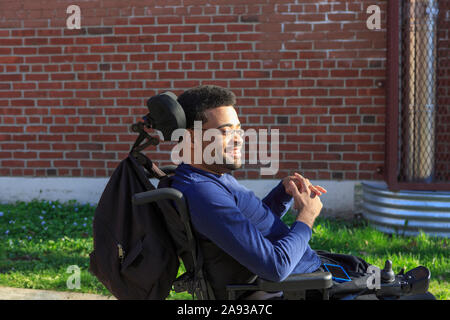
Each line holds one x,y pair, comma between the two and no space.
406,212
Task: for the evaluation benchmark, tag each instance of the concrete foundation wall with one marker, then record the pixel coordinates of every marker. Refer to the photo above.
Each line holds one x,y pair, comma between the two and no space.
339,200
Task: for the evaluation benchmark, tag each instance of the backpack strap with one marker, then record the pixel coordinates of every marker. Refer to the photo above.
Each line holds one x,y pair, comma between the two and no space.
152,169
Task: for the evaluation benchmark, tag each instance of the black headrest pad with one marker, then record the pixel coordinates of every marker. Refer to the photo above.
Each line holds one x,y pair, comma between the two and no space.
166,114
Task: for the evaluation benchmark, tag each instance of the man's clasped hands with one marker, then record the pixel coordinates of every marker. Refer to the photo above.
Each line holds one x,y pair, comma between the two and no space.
306,198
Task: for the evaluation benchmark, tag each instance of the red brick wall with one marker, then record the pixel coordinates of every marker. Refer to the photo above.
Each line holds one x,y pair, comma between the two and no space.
310,68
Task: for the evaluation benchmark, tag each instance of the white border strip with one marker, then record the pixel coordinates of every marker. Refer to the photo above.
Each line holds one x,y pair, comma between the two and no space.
339,199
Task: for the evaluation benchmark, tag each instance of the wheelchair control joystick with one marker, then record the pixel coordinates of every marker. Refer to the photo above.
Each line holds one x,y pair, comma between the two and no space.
387,275
415,281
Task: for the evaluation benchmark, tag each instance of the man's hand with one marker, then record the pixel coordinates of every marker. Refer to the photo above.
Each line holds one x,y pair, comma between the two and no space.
296,178
309,206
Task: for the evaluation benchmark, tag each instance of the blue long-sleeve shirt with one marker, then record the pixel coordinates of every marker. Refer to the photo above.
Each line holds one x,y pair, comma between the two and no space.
247,228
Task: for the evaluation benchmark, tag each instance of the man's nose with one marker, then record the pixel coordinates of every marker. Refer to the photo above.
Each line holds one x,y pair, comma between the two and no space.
239,136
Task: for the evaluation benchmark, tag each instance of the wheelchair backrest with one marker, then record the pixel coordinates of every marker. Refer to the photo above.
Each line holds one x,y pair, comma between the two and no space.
214,265
177,228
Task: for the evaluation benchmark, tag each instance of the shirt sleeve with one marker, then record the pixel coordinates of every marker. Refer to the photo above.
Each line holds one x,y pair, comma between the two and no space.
215,215
278,200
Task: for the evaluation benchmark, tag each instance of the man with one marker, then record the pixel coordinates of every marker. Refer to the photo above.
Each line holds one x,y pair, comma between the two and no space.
241,234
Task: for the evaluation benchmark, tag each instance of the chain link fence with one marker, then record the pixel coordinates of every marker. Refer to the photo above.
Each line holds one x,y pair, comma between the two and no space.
424,129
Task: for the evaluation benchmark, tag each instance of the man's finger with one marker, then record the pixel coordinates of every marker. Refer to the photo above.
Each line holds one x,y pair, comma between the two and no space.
299,175
305,186
315,190
293,188
311,187
321,189
296,180
308,183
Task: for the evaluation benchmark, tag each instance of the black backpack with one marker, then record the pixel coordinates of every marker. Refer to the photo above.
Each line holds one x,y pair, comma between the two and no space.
134,256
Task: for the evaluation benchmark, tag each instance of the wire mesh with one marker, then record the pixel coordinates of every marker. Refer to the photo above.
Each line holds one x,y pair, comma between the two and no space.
424,127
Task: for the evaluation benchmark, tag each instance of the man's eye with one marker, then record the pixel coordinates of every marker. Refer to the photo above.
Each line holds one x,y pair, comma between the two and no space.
227,132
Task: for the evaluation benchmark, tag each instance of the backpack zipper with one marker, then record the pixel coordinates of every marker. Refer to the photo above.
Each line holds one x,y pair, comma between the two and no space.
121,252
119,246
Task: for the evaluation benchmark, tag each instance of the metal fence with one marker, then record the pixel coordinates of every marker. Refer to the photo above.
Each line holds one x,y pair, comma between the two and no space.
418,126
406,212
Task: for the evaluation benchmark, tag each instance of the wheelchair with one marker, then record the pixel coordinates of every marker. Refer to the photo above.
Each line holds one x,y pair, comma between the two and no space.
167,115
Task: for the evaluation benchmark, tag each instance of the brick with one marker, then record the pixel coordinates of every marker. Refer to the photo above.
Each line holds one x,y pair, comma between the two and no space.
24,155
104,138
10,77
88,58
10,42
49,50
227,74
103,155
341,147
13,163
369,119
169,20
285,73
50,155
315,73
327,138
11,60
313,129
344,73
62,76
371,128
142,20
100,30
313,92
356,157
127,30
115,39
65,163
342,129
35,129
343,166
196,56
327,156
370,147
38,163
314,165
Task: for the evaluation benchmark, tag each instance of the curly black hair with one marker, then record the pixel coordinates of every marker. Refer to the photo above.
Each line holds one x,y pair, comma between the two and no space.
197,100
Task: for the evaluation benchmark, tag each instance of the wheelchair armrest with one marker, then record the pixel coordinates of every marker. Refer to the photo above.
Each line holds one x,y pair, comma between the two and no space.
157,195
294,286
295,282
162,194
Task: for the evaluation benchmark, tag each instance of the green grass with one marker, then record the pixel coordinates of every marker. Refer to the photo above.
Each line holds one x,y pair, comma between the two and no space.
356,237
39,240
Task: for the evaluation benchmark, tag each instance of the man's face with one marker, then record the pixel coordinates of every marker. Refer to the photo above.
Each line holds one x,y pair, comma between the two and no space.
226,120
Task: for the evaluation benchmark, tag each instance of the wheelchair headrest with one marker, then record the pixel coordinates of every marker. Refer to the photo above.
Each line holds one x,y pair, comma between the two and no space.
166,114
